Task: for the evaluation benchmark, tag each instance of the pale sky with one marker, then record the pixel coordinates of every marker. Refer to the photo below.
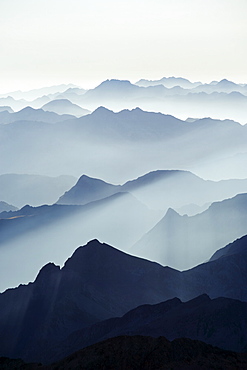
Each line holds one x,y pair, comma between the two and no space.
47,42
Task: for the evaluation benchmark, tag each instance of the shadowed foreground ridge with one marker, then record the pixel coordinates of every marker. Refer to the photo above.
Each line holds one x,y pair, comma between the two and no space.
60,312
141,353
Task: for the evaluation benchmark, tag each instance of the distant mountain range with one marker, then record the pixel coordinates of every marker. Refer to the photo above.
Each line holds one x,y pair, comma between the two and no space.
64,106
35,190
136,170
36,93
169,82
161,189
140,141
5,207
30,114
99,282
94,208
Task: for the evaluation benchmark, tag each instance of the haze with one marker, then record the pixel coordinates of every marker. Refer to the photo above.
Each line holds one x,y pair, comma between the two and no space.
50,42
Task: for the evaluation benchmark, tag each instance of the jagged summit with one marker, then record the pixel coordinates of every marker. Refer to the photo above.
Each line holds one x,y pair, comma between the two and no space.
171,213
88,189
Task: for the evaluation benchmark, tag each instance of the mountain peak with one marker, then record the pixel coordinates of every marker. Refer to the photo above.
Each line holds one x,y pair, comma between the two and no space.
101,110
47,271
171,213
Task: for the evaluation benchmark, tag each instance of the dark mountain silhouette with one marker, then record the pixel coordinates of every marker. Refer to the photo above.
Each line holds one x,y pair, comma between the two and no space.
64,106
237,247
100,282
142,352
30,114
197,319
21,189
87,190
96,283
183,242
50,233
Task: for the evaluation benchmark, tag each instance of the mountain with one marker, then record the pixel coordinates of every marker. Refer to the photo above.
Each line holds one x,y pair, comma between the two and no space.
135,352
5,207
6,108
163,189
142,352
223,86
237,247
21,189
182,242
96,283
99,282
197,319
169,82
158,190
13,103
135,141
87,190
36,93
30,114
64,106
217,101
51,233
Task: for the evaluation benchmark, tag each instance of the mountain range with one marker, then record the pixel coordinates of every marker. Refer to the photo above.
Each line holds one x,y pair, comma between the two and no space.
183,242
51,233
135,352
133,174
161,189
141,141
35,190
133,221
100,282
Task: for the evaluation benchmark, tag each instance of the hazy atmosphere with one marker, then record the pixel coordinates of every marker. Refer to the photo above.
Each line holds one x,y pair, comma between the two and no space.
85,42
123,184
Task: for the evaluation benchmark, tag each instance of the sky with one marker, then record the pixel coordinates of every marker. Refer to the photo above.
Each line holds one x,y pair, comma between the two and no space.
49,42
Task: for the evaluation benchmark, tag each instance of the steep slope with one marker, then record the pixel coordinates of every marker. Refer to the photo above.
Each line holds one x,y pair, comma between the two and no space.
237,247
87,190
5,207
161,189
51,233
183,242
